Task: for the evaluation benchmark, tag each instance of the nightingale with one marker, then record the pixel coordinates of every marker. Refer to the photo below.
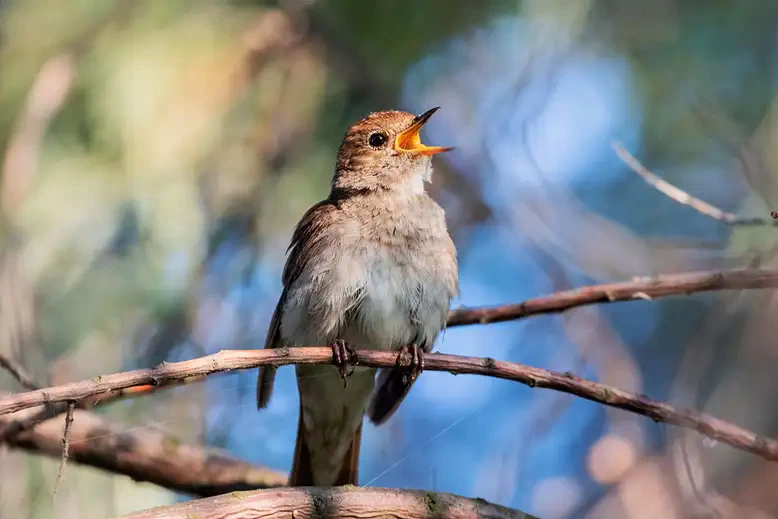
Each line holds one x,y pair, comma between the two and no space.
370,267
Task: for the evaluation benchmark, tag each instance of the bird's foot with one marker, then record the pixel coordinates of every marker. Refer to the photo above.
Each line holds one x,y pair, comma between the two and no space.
343,356
416,364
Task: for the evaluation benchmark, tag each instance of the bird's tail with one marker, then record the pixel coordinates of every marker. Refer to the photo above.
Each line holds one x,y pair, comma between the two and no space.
302,471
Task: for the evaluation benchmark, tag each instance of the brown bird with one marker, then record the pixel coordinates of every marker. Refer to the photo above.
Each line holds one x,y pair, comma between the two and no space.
370,267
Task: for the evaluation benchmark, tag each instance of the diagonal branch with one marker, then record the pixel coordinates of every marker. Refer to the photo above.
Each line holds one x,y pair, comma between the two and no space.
145,454
229,360
66,435
314,503
18,372
682,197
14,427
643,288
647,288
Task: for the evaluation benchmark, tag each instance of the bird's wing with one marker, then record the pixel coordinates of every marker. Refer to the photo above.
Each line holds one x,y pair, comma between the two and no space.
306,243
391,388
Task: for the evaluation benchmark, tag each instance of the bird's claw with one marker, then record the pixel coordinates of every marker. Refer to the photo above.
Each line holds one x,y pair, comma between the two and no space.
343,356
416,365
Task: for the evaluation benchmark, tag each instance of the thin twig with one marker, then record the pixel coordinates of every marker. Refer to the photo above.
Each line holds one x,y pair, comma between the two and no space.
229,360
333,502
65,448
648,288
18,372
682,197
145,454
15,427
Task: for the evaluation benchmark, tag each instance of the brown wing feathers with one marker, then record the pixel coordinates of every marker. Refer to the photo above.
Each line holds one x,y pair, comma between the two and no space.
306,240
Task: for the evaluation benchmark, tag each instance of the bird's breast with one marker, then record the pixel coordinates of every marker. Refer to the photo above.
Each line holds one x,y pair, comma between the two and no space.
386,284
403,300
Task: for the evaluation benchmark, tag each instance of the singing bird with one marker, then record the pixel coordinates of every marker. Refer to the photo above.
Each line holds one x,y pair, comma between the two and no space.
370,267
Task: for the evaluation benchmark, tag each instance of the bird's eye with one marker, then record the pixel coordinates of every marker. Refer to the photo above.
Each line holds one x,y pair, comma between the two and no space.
377,140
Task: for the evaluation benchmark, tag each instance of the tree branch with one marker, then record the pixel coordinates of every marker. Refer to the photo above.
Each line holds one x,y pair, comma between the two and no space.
643,288
682,197
14,427
66,435
349,501
18,372
229,360
145,454
647,288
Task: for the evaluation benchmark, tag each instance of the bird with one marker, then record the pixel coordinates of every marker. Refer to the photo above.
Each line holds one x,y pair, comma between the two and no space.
371,267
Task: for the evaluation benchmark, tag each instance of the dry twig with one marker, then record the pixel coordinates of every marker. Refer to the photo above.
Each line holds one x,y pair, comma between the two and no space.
14,427
682,197
642,288
229,360
65,448
349,501
18,372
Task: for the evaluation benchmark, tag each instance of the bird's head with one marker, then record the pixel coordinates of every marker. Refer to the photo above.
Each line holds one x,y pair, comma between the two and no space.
383,151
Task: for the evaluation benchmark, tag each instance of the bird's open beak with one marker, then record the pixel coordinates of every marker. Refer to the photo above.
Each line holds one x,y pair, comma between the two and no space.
409,141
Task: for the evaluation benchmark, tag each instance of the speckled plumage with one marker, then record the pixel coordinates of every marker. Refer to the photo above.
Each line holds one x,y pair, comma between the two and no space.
373,265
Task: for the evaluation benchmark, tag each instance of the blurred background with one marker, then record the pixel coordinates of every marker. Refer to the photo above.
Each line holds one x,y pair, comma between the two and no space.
156,155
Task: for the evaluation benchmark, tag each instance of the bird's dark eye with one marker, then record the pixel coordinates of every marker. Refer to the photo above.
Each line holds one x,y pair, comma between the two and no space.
377,140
